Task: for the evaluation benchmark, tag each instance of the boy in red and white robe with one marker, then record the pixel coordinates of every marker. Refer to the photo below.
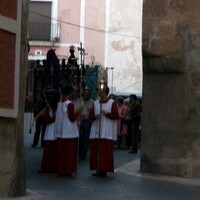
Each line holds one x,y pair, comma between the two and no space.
49,154
67,134
102,137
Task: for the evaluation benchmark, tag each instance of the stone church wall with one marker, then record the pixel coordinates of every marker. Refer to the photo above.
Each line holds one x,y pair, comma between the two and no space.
171,88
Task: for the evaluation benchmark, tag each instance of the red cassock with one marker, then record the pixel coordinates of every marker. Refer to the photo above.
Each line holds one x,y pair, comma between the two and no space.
66,155
101,155
67,138
102,140
49,156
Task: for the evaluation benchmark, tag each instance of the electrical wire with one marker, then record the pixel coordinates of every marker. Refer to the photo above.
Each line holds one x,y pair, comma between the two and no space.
87,28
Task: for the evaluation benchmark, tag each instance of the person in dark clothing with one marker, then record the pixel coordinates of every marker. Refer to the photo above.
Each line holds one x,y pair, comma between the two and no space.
72,58
40,125
39,103
85,124
133,121
73,65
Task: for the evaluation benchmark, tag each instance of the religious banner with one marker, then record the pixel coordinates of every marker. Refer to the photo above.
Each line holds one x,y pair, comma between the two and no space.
51,76
91,79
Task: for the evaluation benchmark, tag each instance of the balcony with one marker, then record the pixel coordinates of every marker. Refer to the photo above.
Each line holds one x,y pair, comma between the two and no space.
49,32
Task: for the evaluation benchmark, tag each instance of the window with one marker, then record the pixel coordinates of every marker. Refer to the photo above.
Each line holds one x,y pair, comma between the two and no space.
41,27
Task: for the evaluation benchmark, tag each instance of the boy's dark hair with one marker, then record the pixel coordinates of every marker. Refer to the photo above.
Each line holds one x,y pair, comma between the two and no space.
66,90
133,96
120,100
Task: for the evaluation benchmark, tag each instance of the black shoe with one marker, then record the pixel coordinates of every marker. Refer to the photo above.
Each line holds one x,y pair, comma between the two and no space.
134,152
33,145
100,174
69,175
95,173
65,175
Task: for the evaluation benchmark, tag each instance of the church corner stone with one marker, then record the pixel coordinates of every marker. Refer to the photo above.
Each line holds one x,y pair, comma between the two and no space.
170,123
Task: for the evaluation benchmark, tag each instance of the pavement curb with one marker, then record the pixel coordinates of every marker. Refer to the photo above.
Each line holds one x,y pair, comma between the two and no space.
133,169
30,195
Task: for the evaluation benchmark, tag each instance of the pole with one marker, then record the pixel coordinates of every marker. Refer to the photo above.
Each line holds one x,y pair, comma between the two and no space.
99,136
81,55
80,85
107,68
80,91
102,87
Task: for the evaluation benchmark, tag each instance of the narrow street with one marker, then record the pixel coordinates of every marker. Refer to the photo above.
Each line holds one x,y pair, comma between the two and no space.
127,183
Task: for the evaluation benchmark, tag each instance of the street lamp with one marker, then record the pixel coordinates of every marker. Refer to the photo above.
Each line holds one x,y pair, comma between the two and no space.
102,85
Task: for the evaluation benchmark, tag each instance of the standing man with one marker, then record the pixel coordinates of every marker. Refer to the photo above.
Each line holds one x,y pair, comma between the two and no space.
77,102
103,133
39,105
40,125
133,122
85,124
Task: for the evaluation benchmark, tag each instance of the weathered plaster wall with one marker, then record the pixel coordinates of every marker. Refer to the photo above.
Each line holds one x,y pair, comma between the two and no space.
171,97
123,44
69,16
94,38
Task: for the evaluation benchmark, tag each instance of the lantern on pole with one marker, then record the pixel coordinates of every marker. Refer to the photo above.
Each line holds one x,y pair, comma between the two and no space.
101,87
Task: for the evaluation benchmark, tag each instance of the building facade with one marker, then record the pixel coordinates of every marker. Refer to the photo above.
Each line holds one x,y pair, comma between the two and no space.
12,86
110,32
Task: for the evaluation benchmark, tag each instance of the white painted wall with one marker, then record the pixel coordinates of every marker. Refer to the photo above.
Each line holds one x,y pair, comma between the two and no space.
123,45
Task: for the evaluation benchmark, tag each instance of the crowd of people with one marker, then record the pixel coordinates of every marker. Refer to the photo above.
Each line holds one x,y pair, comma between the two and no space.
129,122
71,124
74,126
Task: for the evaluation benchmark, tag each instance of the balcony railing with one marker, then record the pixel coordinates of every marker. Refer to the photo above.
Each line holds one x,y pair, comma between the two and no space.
44,31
